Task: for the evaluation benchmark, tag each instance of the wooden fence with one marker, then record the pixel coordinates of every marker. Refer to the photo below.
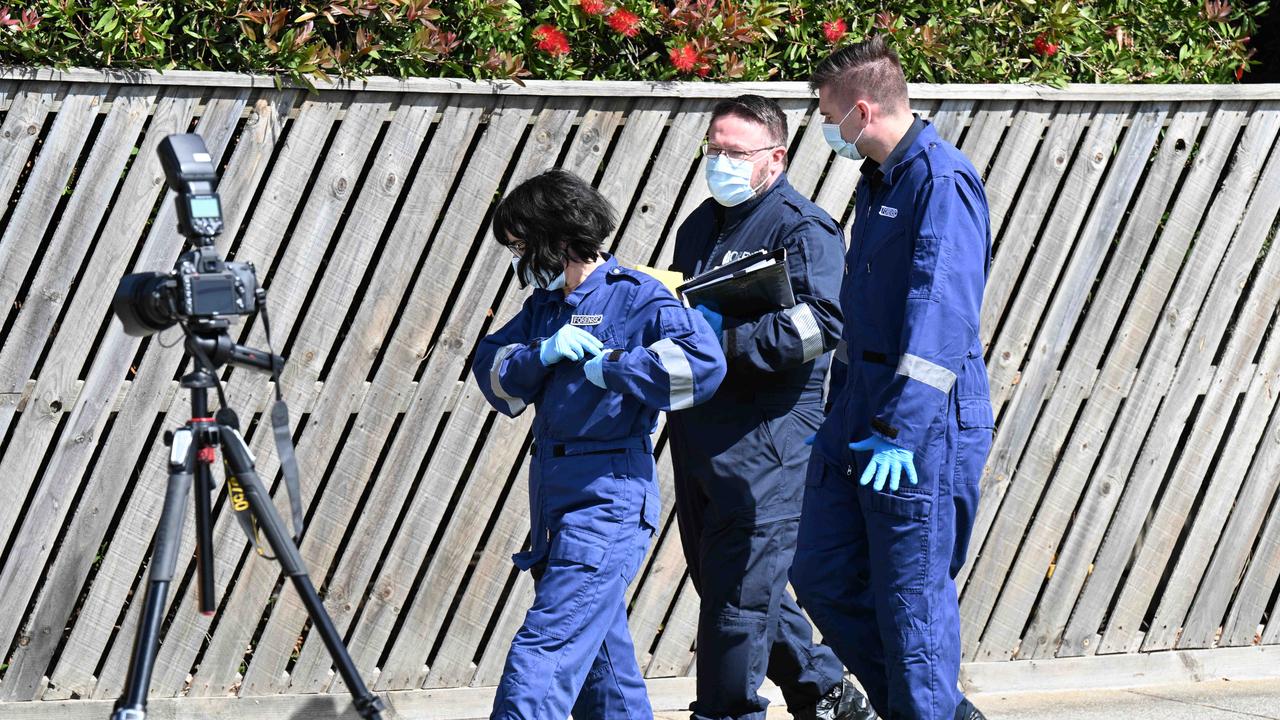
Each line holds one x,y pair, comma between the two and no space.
1129,503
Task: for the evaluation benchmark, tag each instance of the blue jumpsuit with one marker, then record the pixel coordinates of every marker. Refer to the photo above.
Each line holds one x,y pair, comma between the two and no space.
593,495
875,570
740,458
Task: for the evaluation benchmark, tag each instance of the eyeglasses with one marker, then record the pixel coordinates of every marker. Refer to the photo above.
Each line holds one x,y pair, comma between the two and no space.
517,248
714,151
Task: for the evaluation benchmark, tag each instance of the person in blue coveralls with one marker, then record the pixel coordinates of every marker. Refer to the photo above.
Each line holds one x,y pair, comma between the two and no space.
598,350
892,487
739,458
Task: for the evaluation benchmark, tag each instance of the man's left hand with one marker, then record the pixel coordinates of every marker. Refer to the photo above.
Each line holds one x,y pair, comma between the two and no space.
714,319
888,461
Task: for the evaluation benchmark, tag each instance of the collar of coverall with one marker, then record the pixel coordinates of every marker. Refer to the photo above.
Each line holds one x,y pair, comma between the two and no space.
733,215
591,282
905,150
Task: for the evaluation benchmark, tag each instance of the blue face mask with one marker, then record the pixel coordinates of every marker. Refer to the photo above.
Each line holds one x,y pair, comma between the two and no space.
530,279
843,148
730,180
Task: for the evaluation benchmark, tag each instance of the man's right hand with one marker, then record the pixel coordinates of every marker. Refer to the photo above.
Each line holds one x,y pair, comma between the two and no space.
569,343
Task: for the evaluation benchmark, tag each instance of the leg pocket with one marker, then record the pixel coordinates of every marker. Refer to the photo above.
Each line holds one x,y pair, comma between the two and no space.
571,577
898,530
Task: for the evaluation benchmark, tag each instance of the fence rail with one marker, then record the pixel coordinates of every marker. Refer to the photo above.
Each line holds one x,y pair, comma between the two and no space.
1129,502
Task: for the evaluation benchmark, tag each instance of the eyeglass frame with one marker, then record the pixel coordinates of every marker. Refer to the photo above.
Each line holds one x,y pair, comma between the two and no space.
707,147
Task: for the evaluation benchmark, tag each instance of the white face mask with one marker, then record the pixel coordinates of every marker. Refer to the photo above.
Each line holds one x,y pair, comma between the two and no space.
844,148
730,180
530,279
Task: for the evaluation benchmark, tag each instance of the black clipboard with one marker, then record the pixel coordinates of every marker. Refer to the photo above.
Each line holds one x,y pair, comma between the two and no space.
747,287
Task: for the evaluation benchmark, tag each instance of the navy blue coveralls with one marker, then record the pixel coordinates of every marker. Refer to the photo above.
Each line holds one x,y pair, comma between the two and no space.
875,570
593,495
739,459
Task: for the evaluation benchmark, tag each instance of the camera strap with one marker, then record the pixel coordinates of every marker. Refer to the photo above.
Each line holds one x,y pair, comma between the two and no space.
284,440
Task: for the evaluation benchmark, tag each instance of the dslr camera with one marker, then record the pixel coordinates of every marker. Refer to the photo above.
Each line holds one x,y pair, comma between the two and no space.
202,288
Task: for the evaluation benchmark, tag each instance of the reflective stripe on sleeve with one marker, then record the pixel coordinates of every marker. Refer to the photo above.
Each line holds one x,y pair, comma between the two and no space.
807,328
514,404
678,371
931,374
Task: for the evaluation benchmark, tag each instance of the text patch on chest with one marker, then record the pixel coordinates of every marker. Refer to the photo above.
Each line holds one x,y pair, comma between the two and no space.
586,320
889,212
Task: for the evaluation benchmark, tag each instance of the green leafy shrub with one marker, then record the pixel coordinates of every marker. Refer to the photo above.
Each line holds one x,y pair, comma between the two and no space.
939,40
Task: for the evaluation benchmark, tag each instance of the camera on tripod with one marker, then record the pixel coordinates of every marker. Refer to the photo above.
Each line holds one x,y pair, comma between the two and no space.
201,287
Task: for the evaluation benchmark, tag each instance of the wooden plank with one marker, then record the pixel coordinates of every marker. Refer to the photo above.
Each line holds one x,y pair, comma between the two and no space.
1162,532
987,129
393,384
23,120
1156,373
1189,577
951,119
1243,621
1226,569
652,598
596,129
674,651
648,88
452,665
1011,163
658,198
1047,173
1080,373
331,194
1020,588
1021,249
1138,329
810,157
51,170
1116,671
321,327
127,220
65,253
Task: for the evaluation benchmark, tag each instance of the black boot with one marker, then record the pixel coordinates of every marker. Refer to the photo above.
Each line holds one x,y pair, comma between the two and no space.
966,711
842,702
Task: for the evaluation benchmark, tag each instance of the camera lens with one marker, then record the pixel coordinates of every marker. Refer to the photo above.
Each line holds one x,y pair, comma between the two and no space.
144,303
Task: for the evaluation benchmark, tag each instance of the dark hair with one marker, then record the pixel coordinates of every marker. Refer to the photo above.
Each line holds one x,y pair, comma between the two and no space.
867,70
762,110
559,218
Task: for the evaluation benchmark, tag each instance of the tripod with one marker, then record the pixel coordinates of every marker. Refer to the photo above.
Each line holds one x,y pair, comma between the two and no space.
192,452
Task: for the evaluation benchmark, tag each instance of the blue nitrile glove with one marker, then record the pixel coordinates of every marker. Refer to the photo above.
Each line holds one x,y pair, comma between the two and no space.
809,440
594,369
887,461
569,343
714,319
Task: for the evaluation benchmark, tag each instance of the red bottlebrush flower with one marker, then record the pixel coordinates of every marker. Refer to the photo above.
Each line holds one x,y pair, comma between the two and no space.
684,58
625,22
1044,47
834,30
1239,72
551,41
593,7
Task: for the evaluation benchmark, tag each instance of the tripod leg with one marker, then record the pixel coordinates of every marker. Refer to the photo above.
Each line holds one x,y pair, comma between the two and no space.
240,462
132,705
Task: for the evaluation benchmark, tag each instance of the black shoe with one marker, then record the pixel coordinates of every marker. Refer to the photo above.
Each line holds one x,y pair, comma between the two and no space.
966,711
842,702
